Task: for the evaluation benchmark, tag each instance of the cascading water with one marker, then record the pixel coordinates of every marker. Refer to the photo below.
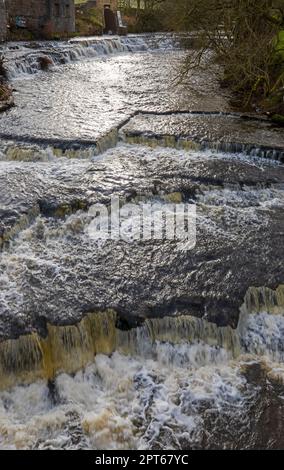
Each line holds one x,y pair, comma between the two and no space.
133,343
22,60
150,393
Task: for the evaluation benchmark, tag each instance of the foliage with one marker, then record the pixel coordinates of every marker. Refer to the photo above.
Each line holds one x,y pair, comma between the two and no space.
88,21
144,21
245,36
143,16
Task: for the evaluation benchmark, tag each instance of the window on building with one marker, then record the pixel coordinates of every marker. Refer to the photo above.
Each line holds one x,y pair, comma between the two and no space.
56,9
67,10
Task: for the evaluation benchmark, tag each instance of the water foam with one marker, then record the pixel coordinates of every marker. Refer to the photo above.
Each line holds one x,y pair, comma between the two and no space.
24,62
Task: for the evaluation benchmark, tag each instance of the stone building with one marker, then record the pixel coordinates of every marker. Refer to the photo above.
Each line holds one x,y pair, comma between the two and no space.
3,20
113,4
42,17
109,10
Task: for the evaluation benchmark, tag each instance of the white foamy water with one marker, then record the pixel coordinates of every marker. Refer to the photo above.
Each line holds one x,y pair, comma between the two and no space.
263,334
164,400
116,403
23,60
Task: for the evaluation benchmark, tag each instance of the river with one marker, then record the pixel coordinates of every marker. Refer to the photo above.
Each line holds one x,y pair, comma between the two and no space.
132,343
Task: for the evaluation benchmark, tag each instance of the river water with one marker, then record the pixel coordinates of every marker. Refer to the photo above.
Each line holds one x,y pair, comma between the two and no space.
132,344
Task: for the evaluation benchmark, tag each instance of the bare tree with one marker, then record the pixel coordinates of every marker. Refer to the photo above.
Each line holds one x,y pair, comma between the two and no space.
244,36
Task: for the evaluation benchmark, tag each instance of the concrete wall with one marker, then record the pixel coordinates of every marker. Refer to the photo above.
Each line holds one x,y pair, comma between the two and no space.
3,21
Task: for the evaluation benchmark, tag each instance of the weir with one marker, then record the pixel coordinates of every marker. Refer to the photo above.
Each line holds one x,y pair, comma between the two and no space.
26,62
264,300
44,149
220,132
72,347
183,143
107,344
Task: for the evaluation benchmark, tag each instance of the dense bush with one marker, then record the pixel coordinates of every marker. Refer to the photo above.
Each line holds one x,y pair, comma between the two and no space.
149,21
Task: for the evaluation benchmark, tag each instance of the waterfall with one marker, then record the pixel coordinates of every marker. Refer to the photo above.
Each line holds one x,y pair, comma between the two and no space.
184,143
197,130
261,323
93,385
23,61
70,348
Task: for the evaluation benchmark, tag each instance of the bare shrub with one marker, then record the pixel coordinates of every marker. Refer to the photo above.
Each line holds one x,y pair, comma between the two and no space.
245,38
